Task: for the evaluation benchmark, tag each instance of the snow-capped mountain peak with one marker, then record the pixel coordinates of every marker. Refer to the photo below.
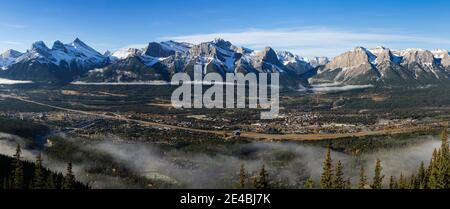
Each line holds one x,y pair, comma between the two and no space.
286,57
8,57
10,53
440,53
181,47
40,61
125,53
318,61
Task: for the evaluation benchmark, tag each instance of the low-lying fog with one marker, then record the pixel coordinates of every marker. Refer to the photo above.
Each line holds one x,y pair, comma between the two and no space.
287,162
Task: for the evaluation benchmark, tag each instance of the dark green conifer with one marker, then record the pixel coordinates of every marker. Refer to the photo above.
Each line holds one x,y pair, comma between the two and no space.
338,180
362,179
262,180
69,178
38,179
326,179
309,183
17,180
378,177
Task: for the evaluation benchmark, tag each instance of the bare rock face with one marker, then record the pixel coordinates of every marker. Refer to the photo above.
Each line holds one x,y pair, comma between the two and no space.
269,55
384,55
422,57
353,67
157,50
358,56
445,60
385,67
204,49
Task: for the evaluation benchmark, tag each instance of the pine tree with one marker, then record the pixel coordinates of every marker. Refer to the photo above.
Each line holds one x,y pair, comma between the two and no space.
38,179
433,171
50,182
242,177
309,183
262,180
378,177
69,179
439,168
402,182
444,162
421,177
413,182
338,180
17,181
326,179
392,183
348,183
429,169
362,178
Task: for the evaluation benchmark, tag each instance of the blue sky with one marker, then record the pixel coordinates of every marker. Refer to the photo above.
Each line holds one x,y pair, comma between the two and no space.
308,28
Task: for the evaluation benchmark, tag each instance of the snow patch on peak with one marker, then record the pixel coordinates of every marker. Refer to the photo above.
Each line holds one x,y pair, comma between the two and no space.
125,53
10,53
440,53
8,58
378,50
39,48
177,46
286,57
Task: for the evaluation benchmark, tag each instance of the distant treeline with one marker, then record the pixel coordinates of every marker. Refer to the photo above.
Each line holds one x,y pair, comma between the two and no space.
22,128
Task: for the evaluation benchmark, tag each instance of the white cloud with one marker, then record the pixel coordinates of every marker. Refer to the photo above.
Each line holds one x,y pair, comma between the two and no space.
11,43
317,41
18,26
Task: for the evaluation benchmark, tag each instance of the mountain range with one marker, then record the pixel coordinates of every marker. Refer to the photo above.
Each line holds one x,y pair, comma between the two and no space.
383,66
76,61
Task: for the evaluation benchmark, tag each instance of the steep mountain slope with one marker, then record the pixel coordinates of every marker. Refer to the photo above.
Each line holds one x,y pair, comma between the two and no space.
60,64
8,57
131,69
219,56
381,66
63,63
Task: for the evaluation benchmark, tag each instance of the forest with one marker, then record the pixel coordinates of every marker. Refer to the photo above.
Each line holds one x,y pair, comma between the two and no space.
19,174
433,176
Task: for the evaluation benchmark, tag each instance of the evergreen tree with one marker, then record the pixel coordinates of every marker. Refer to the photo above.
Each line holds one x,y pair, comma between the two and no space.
433,171
326,179
362,178
17,181
413,182
421,177
392,183
50,182
348,183
429,169
402,182
69,179
242,177
338,180
38,180
309,183
262,180
444,162
378,177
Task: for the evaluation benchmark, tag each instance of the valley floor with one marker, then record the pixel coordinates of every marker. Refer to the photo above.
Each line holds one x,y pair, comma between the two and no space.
115,126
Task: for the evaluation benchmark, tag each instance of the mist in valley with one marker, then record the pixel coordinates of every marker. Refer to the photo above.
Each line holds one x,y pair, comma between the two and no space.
288,163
